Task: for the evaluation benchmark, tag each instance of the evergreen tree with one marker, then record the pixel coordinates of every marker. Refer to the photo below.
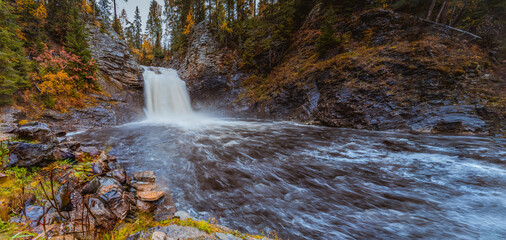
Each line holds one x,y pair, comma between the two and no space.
154,27
13,63
137,29
75,41
327,40
105,9
58,18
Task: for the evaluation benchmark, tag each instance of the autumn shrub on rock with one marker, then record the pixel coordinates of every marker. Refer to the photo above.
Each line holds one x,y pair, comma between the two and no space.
63,77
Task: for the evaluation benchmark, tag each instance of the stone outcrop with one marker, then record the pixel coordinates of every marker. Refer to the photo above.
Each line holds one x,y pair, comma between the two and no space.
392,72
210,71
115,62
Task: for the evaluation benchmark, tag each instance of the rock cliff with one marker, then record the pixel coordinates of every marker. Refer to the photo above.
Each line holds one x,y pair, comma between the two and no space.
391,72
211,72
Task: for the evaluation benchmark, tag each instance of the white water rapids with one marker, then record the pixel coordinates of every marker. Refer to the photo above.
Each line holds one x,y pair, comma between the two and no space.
312,182
166,97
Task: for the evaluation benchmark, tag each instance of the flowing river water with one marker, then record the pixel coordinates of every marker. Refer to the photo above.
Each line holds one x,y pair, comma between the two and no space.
310,182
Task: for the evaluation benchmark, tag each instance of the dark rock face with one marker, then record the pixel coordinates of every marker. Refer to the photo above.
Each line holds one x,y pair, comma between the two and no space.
28,155
211,72
35,131
114,58
399,79
34,214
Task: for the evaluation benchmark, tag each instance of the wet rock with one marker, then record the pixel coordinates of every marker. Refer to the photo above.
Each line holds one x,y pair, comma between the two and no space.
165,208
103,216
91,151
114,58
28,154
35,131
118,174
183,215
63,154
72,145
226,236
179,232
50,218
142,187
107,181
91,187
147,176
99,167
150,196
145,206
34,214
115,199
62,197
159,236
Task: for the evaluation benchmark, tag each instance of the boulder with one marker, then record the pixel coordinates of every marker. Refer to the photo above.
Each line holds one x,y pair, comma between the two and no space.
145,206
115,199
34,214
183,215
159,236
91,151
91,187
29,154
150,196
104,218
147,176
226,236
62,197
72,145
118,174
63,154
107,181
142,187
35,131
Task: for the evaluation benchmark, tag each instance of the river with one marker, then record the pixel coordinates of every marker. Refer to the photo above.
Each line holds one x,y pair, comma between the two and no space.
311,182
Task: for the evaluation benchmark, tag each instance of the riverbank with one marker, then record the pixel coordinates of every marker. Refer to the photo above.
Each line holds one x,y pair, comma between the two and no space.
55,187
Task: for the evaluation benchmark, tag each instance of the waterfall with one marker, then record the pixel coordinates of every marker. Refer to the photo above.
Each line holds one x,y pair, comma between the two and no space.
165,95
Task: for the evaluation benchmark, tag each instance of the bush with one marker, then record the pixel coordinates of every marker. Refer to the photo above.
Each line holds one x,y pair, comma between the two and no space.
327,40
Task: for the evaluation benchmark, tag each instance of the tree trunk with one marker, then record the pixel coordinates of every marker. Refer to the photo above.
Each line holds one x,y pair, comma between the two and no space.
457,18
115,15
441,11
444,15
431,8
254,8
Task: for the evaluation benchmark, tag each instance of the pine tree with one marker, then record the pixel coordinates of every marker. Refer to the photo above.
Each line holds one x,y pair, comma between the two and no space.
75,41
13,63
105,10
137,29
154,27
327,40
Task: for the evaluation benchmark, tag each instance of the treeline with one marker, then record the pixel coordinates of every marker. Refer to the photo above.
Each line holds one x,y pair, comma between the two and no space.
44,53
260,30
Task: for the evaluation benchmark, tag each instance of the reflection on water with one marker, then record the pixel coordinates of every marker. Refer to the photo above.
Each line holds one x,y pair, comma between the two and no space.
310,182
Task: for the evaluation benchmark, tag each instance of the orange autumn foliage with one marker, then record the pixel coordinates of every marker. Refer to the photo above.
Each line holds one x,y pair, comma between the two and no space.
60,78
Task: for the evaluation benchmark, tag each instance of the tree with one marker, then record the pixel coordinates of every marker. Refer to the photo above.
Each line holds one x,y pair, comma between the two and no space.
137,29
189,22
13,63
105,9
327,40
75,41
154,27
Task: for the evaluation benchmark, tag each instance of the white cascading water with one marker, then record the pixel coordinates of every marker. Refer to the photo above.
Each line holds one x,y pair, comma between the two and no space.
165,94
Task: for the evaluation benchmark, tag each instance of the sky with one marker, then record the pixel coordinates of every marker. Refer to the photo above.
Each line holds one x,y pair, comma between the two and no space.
130,9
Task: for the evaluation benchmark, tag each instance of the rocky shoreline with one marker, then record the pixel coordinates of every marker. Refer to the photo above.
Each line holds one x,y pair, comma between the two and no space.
83,193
